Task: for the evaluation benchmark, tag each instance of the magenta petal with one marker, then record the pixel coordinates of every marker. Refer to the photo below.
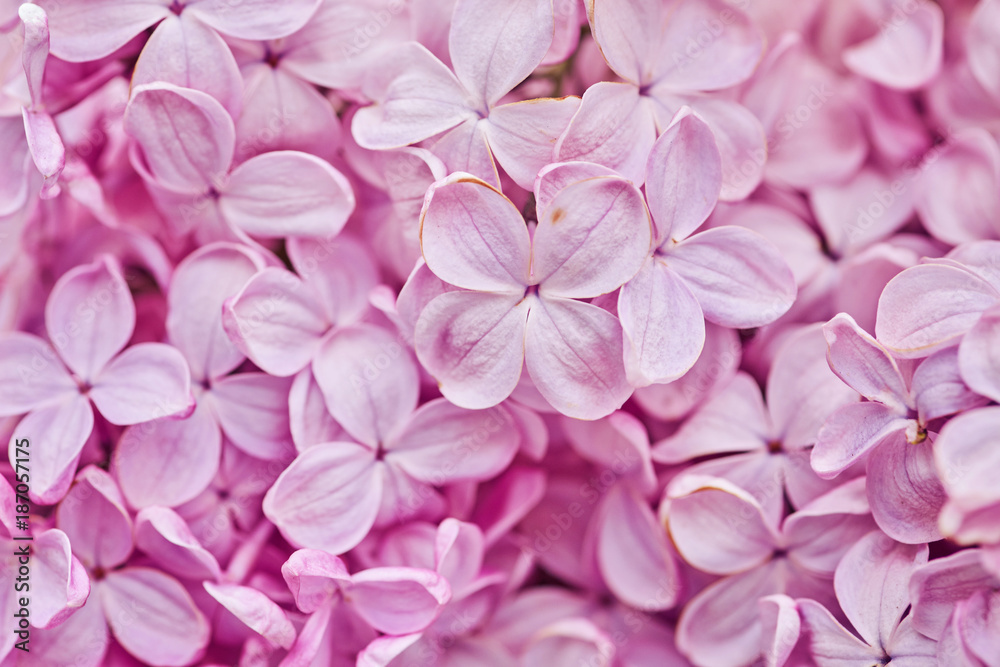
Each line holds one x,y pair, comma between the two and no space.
90,316
63,428
94,517
370,381
145,382
905,492
633,554
327,498
61,584
473,344
459,548
287,193
398,600
443,443
167,539
168,461
314,577
31,375
738,276
256,610
153,617
186,135
573,351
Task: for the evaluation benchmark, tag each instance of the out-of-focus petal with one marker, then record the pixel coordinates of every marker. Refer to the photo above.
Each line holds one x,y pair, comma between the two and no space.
254,19
88,30
906,53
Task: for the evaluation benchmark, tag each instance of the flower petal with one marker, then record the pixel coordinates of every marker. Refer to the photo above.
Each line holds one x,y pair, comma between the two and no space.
61,584
904,55
473,345
522,135
592,238
327,498
257,611
252,409
573,351
905,492
287,193
85,30
145,382
850,432
398,600
31,375
979,356
863,364
167,539
63,427
254,19
94,517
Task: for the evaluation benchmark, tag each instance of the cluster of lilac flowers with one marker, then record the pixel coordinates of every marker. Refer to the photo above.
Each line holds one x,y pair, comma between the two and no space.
500,333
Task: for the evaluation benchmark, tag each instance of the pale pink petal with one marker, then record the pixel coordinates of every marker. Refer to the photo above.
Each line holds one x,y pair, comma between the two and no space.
802,391
94,517
863,364
906,53
592,238
91,29
176,53
442,443
256,610
459,548
830,643
618,442
31,375
938,586
384,650
153,617
168,461
929,307
464,148
614,127
62,428
199,287
733,50
252,409
981,42
145,382
494,46
90,316
738,276
850,432
276,321
573,351
287,193
522,135
969,163
416,96
60,583
327,498
309,420
905,492
398,600
553,178
369,380
967,459
872,583
187,136
254,19
578,641
314,577
473,345
47,149
683,177
721,626
340,272
734,420
909,647
630,35
780,628
506,500
167,539
473,237
718,527
938,389
979,356
81,640
633,554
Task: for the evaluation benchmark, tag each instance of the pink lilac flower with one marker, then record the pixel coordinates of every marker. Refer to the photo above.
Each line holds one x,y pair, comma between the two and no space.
85,364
